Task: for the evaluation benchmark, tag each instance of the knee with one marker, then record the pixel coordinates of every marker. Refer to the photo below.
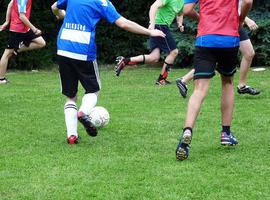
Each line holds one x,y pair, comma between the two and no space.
174,53
249,55
154,59
8,53
42,44
199,94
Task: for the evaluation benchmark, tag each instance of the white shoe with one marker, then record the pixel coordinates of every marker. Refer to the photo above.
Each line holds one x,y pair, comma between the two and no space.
3,81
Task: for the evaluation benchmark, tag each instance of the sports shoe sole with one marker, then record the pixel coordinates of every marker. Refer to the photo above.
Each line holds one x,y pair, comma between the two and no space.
227,144
118,67
181,154
186,139
182,90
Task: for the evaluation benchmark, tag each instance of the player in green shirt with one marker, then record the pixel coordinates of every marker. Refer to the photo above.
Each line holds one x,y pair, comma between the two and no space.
161,14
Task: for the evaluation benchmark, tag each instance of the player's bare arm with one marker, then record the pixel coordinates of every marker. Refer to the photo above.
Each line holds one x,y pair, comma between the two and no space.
136,28
180,20
26,21
5,24
246,6
190,11
152,13
60,14
251,24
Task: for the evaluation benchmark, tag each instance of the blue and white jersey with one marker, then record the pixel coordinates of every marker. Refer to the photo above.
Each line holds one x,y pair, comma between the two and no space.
76,38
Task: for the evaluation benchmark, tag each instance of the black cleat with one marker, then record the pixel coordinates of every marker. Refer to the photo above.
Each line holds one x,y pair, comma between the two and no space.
247,90
120,64
182,87
85,121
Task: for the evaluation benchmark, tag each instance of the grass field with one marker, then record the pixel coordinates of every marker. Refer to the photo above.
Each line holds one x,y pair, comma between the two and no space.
134,156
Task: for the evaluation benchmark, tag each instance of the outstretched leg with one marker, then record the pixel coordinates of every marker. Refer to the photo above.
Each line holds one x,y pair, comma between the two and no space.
121,61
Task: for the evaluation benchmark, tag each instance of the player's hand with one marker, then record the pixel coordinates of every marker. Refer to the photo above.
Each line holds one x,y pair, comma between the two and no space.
252,25
37,31
157,33
151,26
181,28
3,26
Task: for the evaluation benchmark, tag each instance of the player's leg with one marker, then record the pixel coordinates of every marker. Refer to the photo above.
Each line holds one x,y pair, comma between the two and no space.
13,43
195,101
227,105
168,64
69,83
248,53
36,43
89,77
121,61
167,45
183,81
227,61
4,63
204,65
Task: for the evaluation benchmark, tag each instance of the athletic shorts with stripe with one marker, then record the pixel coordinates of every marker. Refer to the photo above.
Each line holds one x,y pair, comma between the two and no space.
166,44
207,60
74,71
15,39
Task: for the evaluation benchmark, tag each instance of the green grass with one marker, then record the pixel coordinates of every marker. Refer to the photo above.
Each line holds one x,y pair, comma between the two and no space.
134,156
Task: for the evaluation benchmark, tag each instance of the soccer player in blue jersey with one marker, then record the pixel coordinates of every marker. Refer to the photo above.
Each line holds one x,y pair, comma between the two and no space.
217,46
76,50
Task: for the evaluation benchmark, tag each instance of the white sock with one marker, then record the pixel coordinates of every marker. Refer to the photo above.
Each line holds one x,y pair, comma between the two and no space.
88,103
70,111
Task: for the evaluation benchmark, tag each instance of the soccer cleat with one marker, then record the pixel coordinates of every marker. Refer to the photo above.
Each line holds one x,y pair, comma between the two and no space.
120,64
73,139
4,81
182,87
182,149
89,127
247,90
163,82
228,139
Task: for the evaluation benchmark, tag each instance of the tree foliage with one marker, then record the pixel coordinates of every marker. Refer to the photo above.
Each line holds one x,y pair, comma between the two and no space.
112,41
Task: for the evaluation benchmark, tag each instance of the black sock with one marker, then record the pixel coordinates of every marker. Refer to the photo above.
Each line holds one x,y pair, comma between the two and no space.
226,129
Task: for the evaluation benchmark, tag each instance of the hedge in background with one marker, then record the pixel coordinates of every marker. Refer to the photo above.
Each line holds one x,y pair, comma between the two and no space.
112,41
260,38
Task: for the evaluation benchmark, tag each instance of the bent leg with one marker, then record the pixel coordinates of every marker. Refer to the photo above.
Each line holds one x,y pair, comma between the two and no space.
36,43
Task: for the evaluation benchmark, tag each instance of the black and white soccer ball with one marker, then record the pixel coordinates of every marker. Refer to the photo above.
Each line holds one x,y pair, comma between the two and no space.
99,116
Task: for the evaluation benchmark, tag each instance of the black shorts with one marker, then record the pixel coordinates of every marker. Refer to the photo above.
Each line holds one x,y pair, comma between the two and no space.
72,71
16,39
243,34
207,60
166,44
